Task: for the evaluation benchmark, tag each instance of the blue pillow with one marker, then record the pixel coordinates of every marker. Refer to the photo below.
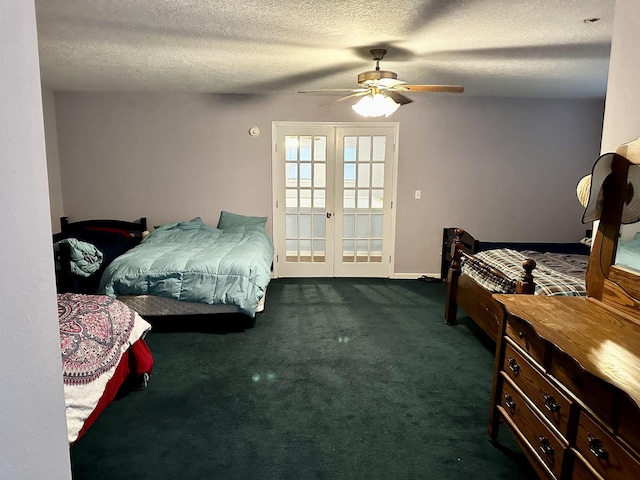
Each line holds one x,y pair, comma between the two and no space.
230,220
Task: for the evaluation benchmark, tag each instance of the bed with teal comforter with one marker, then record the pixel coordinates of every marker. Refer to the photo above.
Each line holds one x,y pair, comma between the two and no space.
195,262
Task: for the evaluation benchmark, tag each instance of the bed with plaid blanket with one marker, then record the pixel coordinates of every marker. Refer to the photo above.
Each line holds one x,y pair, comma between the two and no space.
499,270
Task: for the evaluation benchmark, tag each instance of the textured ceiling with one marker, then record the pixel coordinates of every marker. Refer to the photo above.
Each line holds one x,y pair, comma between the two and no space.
533,48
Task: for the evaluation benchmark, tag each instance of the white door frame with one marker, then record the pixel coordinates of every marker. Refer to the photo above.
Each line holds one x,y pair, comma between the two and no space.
276,182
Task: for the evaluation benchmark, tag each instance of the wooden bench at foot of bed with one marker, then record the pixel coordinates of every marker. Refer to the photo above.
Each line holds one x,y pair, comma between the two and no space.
475,300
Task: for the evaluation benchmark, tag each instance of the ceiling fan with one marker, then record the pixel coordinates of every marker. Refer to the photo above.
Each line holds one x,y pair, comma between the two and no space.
382,87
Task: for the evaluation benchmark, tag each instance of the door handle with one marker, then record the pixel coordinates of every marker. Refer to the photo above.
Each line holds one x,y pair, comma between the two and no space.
328,214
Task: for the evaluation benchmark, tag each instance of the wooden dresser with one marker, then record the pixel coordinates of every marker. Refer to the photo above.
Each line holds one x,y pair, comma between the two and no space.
568,385
567,369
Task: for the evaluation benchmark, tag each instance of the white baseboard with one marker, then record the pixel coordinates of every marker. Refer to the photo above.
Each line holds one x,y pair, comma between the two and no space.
414,276
402,276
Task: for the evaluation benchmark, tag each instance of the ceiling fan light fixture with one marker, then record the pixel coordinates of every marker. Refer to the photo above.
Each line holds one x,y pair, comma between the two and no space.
381,92
375,76
375,105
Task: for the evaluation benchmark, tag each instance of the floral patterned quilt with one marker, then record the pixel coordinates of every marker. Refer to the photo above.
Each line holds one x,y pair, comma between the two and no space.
95,332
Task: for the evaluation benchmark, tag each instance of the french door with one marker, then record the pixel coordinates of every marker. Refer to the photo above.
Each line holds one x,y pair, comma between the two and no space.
334,191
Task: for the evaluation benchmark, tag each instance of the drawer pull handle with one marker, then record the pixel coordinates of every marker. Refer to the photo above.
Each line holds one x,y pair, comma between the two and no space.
545,446
520,335
509,402
513,365
595,445
550,403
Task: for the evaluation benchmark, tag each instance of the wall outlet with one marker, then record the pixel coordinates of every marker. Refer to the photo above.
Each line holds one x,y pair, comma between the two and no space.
418,194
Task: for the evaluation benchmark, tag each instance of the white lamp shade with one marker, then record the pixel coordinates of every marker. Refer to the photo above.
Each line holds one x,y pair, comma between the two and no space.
377,105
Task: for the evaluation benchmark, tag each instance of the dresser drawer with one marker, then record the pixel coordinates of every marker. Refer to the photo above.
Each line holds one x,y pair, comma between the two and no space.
629,425
581,471
548,448
596,394
526,338
553,404
603,452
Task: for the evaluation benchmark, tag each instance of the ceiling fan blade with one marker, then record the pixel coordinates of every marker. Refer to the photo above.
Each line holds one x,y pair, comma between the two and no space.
398,97
356,94
353,95
390,82
430,88
331,91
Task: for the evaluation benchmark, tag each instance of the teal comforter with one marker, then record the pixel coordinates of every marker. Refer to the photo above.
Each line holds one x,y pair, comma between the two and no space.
194,262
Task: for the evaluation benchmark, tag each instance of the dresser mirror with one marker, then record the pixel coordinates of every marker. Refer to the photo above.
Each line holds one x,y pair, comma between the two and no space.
628,251
628,247
613,276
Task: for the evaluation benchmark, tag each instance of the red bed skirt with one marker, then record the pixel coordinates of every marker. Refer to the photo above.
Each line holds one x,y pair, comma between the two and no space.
135,362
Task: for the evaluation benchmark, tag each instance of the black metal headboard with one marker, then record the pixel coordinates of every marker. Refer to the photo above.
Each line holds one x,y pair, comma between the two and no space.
111,237
135,229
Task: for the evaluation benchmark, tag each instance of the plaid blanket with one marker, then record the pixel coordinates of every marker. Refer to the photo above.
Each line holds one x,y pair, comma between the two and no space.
499,270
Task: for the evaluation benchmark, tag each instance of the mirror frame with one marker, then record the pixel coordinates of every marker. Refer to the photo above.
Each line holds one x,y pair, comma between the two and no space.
606,282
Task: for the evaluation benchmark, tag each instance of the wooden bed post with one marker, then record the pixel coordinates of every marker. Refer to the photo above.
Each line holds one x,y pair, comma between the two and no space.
451,306
526,285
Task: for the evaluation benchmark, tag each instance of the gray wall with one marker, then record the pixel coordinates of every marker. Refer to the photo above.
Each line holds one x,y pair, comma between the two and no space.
622,113
505,169
33,438
53,161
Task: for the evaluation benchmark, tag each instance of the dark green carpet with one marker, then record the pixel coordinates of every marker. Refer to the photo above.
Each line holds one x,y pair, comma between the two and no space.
338,379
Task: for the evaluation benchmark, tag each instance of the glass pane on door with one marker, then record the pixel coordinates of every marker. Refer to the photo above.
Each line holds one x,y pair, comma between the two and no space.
305,198
363,198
